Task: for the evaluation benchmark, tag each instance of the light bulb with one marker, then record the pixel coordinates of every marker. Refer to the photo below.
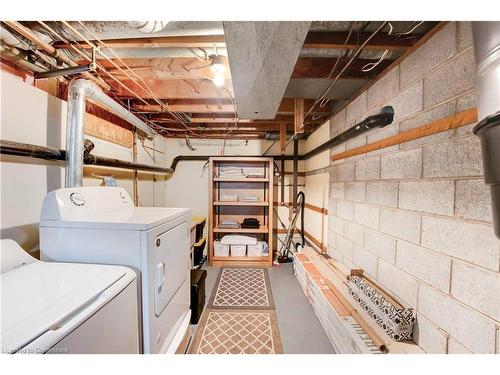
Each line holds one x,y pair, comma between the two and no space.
219,80
217,66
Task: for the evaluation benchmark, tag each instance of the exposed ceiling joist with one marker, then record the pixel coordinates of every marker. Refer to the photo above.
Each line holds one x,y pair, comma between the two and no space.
214,106
224,117
315,39
177,89
190,41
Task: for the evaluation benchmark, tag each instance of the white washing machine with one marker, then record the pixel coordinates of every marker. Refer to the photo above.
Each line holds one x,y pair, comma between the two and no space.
66,308
101,225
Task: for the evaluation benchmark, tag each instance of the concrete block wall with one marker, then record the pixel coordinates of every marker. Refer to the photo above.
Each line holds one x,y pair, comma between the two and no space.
417,216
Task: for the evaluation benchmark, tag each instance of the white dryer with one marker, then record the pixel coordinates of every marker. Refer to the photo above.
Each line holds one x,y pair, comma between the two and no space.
101,225
64,307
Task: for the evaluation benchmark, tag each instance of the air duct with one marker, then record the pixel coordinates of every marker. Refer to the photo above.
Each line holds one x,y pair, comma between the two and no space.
148,27
487,52
78,91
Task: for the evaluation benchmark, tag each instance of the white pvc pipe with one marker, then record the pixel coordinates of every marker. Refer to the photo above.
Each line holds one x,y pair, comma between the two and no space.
78,91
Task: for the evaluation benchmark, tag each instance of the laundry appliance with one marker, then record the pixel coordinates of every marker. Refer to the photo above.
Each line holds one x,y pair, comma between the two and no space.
65,307
102,225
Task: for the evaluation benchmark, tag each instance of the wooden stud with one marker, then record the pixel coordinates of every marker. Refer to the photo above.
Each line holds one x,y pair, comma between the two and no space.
299,115
282,138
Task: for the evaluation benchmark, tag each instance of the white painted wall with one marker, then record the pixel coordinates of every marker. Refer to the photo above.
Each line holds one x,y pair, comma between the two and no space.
31,115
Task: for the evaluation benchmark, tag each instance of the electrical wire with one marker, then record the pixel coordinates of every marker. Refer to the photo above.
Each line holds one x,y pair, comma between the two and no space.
99,65
410,30
346,66
144,86
370,66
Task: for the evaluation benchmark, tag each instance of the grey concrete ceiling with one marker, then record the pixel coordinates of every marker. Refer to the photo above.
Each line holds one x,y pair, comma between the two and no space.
262,56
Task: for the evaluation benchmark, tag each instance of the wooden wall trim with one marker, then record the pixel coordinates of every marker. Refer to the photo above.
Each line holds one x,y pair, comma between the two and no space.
321,210
316,242
300,174
309,236
438,126
311,207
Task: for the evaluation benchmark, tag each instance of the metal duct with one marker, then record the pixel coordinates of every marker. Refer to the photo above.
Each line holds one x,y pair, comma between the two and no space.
78,91
148,27
487,52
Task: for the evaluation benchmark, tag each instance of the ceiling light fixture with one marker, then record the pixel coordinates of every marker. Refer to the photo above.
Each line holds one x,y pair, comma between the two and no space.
218,68
219,80
216,65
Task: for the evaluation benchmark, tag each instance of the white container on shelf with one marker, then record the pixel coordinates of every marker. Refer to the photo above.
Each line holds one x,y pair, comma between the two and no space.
257,250
220,250
238,250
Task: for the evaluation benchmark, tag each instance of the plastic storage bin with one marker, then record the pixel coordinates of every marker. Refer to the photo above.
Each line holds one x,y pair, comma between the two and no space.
238,250
220,250
257,250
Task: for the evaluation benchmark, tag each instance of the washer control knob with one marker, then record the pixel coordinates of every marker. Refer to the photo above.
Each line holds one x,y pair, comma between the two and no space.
77,199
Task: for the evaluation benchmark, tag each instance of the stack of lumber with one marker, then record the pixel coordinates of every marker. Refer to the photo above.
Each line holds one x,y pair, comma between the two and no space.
349,328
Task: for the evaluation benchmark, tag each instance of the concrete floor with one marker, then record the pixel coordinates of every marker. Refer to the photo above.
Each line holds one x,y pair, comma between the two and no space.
300,329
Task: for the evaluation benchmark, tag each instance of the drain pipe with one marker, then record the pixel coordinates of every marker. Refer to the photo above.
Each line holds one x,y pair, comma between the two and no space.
486,37
78,91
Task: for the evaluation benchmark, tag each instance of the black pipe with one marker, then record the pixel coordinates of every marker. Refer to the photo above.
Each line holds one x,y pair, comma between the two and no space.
54,154
282,200
65,72
295,171
384,118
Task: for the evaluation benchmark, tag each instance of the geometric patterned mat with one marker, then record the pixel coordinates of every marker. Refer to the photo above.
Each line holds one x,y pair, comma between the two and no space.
237,332
242,288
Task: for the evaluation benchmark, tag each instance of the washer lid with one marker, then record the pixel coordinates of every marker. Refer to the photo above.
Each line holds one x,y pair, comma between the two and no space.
41,296
102,208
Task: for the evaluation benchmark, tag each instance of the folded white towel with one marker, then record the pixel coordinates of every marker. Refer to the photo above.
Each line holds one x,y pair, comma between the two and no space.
238,239
249,198
229,198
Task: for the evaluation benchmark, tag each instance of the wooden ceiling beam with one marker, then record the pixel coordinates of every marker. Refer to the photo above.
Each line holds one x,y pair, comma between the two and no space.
164,68
176,89
214,106
380,42
314,39
225,117
188,41
252,127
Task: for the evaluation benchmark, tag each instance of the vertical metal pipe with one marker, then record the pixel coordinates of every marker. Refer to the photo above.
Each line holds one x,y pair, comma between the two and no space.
136,175
75,136
295,172
78,91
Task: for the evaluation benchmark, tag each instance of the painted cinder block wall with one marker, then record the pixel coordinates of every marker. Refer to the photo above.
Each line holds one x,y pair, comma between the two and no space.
417,216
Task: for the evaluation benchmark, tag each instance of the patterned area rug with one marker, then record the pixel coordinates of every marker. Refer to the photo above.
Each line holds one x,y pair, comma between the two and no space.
242,288
237,332
240,317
